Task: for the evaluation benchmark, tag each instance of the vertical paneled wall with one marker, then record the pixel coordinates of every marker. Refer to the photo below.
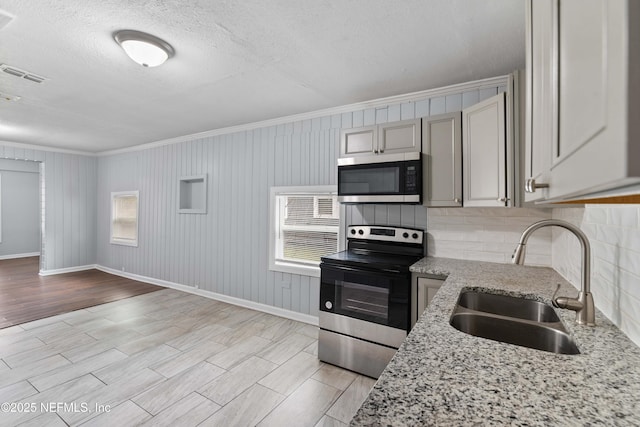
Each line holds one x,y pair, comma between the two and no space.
226,249
69,206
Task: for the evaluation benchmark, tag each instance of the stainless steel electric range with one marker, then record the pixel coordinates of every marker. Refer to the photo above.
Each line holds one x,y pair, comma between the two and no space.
365,297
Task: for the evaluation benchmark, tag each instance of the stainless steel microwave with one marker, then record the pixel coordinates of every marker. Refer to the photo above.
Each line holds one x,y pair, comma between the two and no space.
383,178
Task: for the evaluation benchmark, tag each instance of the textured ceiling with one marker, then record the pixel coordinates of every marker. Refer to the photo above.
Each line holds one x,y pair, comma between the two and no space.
236,61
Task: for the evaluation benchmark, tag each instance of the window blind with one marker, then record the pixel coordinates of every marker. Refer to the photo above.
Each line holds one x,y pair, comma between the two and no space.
124,218
307,227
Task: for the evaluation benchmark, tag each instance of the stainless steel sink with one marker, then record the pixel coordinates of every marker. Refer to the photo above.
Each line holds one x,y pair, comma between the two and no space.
505,305
512,320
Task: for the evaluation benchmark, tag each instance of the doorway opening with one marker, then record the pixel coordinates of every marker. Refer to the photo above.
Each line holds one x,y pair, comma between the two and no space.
21,209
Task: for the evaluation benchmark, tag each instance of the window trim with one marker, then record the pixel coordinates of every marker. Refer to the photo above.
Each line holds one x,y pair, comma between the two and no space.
291,267
123,242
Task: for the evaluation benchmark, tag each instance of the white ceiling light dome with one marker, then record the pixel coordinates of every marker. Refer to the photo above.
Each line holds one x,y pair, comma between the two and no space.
143,48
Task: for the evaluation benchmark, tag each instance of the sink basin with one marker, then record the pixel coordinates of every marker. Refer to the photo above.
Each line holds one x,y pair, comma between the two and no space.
526,334
508,306
512,320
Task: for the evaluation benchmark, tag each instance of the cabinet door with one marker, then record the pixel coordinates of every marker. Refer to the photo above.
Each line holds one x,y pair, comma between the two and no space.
442,150
594,78
484,153
583,97
582,74
399,137
425,290
541,115
358,141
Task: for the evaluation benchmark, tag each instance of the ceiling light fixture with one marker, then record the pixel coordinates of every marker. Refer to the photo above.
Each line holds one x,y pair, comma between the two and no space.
143,48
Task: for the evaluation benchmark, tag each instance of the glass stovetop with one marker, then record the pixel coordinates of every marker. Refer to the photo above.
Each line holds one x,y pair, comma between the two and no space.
372,260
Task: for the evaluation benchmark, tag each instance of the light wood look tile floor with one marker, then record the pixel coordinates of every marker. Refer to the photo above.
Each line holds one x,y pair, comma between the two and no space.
170,358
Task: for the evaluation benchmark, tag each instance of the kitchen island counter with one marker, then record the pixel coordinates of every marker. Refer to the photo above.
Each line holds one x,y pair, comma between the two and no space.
441,376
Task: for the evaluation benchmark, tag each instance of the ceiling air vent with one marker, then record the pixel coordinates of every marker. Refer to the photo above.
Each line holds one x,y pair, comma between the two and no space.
34,78
22,73
13,71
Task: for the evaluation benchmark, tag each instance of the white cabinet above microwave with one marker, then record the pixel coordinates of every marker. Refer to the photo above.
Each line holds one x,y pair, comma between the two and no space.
388,138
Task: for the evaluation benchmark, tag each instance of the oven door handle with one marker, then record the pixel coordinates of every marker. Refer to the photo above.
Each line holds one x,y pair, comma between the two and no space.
359,270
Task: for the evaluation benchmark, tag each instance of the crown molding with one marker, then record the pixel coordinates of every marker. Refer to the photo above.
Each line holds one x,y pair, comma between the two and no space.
395,99
23,146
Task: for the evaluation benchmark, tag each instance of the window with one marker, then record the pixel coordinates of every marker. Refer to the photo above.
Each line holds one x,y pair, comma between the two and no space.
304,226
124,218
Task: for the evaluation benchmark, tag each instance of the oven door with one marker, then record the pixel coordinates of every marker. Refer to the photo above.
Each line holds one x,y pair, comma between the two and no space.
380,297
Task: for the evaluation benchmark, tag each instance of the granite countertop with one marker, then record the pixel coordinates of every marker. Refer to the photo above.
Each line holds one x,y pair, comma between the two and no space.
441,376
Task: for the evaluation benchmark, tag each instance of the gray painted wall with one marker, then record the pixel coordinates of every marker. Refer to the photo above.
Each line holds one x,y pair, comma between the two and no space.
20,207
19,166
226,250
69,205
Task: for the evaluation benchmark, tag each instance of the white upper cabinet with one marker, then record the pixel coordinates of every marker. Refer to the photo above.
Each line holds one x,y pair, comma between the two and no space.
541,132
388,138
358,141
583,97
399,137
484,153
442,150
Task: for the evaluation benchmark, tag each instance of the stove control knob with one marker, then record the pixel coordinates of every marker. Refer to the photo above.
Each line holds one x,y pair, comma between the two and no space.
414,235
405,235
360,232
353,231
328,305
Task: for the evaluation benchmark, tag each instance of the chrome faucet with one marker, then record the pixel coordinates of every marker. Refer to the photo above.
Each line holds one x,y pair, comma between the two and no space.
583,305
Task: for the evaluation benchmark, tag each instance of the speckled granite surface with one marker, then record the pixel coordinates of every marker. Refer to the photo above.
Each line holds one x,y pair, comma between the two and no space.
441,376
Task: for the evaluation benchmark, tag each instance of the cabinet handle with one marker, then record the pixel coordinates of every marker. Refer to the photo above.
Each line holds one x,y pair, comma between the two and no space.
456,200
375,151
503,199
381,150
530,186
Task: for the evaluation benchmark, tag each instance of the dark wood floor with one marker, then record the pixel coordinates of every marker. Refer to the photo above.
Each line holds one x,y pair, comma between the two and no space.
27,296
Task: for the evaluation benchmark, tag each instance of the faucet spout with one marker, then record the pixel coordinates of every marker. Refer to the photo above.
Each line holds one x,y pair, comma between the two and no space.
583,305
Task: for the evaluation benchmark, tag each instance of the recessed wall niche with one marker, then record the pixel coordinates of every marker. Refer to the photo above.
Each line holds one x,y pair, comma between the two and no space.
193,194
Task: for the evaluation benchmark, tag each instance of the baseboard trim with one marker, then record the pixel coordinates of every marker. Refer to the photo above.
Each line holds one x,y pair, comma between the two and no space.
276,311
14,256
67,270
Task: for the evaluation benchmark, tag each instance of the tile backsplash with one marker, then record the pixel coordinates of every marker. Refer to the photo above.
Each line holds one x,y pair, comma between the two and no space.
614,234
487,234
